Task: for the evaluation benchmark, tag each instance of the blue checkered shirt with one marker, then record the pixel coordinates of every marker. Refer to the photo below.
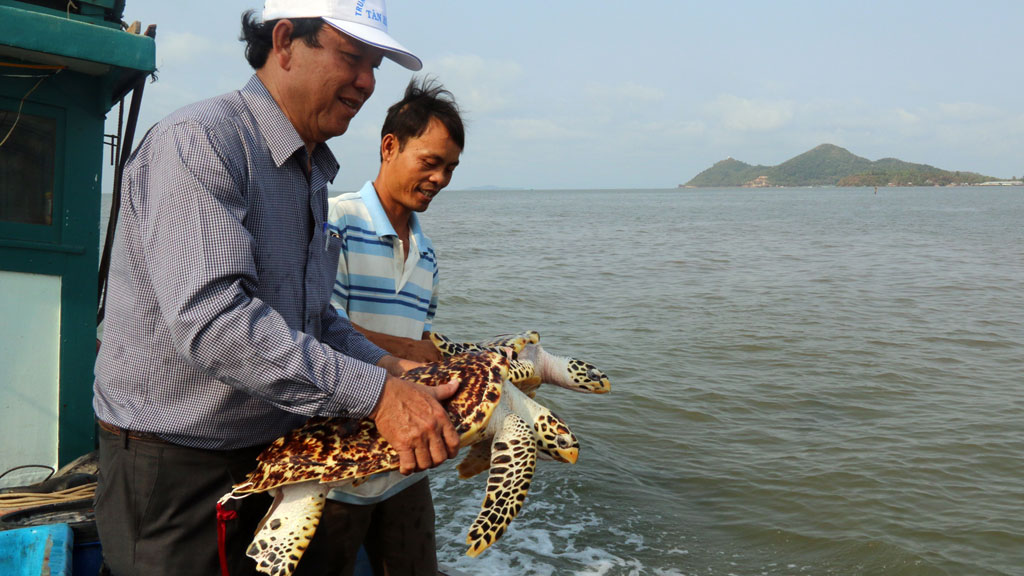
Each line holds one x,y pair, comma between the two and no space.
219,332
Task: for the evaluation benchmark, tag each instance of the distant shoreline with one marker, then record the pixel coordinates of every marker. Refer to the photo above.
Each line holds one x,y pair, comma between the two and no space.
830,165
996,183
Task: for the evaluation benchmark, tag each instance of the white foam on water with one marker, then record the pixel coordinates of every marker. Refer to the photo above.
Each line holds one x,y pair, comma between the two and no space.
553,534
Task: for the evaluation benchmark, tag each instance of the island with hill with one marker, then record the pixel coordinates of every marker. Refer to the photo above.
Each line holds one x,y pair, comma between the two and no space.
830,165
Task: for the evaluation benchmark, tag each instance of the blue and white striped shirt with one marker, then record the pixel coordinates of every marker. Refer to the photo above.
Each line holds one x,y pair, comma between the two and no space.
380,289
377,287
219,332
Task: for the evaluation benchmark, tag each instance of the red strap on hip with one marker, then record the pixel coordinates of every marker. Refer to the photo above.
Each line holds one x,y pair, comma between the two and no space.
223,516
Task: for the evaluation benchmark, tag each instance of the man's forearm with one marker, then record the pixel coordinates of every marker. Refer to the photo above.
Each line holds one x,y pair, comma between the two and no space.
408,348
394,345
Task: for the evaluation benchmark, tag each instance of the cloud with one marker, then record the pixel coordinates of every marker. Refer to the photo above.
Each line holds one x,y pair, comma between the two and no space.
904,117
967,111
536,129
744,115
185,48
480,85
673,129
629,92
191,67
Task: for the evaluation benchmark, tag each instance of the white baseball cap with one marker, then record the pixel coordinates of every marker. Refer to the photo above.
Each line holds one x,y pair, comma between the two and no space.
364,20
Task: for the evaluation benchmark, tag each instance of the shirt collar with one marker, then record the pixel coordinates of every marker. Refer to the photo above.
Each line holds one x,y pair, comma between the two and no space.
382,224
278,131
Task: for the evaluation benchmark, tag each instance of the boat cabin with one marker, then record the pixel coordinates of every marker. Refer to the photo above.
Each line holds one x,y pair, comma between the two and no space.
63,67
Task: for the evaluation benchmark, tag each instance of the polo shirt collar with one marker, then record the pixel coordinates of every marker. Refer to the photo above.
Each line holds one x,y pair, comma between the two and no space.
382,224
279,133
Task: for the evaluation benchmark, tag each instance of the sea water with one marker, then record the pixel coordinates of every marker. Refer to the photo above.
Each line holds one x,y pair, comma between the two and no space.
804,381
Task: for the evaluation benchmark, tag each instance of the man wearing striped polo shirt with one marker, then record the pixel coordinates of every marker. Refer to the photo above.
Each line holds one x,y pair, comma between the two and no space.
387,285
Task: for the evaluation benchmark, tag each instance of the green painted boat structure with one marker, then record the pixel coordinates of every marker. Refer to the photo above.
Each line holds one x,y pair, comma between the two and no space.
63,67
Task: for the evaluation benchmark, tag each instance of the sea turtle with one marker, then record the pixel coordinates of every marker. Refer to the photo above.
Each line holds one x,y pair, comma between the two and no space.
531,366
302,466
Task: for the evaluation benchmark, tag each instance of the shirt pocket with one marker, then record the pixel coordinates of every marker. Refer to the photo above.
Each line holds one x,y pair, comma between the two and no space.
331,255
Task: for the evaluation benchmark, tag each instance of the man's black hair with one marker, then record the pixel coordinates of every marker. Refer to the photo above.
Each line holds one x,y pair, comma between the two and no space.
424,99
259,36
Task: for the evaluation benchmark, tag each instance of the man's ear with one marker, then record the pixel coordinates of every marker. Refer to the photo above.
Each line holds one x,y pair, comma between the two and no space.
283,43
388,147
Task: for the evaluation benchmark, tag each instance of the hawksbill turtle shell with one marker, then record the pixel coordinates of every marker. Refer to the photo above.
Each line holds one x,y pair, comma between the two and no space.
301,467
531,366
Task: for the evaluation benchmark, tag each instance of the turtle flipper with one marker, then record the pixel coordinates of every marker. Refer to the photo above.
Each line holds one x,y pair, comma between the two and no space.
449,347
286,530
526,377
476,460
516,342
513,341
513,460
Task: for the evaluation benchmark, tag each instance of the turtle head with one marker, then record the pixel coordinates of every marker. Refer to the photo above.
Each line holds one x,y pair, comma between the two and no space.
555,439
587,378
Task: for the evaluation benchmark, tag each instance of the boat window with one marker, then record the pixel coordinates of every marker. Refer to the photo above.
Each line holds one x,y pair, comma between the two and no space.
27,156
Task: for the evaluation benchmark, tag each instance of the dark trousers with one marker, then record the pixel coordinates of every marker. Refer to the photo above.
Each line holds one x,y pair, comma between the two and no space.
398,535
156,507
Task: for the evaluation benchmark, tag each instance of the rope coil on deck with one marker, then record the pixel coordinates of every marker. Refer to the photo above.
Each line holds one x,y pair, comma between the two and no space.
18,500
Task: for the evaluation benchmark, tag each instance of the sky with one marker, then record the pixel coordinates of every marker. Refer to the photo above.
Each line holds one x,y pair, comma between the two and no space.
574,94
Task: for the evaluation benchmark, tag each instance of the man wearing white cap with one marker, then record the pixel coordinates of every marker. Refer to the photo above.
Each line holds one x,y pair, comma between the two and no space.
219,335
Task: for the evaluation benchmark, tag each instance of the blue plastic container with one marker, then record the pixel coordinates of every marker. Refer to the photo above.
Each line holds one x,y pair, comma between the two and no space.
36,550
86,559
